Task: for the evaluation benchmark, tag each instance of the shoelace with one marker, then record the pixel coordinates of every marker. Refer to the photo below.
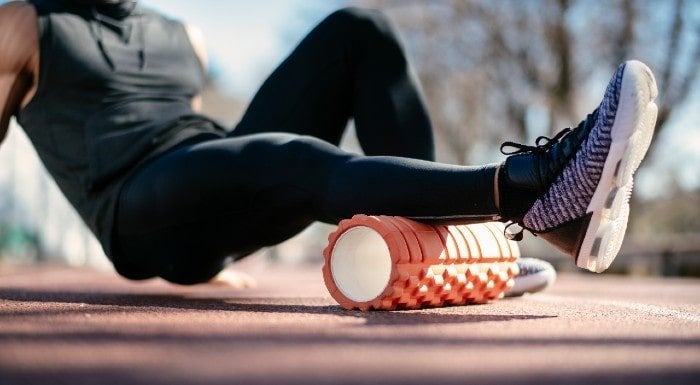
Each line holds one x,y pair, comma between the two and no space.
520,148
554,157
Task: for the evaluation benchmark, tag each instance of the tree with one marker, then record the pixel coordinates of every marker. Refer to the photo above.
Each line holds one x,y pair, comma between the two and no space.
493,70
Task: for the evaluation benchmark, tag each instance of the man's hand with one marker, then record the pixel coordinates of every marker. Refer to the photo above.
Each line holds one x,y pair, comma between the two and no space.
19,55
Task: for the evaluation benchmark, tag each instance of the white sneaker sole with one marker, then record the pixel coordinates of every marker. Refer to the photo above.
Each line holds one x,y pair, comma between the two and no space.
631,136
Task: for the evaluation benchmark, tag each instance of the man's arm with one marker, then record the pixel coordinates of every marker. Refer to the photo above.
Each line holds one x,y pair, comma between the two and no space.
197,41
19,36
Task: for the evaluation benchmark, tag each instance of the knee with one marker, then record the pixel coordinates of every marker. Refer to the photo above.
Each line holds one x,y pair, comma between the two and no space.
363,22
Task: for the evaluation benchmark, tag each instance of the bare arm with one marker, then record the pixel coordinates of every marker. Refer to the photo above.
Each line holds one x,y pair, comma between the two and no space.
197,41
19,37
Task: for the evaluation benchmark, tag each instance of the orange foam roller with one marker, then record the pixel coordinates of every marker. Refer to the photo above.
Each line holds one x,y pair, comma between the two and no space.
387,263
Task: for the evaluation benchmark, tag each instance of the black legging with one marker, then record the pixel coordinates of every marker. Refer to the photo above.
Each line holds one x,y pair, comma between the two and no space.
181,215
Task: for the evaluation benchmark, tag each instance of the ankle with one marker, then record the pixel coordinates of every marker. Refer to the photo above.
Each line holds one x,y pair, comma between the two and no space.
513,200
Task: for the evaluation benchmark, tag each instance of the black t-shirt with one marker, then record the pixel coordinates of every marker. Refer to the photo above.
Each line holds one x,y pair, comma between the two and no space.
115,89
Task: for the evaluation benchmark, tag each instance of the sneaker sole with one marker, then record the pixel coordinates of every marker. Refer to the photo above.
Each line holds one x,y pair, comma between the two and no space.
631,133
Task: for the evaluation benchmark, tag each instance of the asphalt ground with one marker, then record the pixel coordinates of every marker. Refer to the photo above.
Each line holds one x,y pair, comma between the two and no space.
78,326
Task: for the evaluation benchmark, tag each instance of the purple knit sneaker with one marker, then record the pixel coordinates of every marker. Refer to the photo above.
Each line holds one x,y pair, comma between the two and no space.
584,209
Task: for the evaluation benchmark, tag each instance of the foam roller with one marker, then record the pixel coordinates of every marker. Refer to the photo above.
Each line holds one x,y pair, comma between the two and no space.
388,263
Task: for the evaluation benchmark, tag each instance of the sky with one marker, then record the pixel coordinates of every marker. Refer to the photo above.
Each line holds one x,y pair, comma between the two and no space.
245,39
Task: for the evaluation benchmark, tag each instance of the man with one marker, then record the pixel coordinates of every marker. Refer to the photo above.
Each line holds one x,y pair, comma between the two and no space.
107,92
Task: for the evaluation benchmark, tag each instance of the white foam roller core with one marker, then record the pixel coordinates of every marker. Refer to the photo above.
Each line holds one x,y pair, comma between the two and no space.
361,264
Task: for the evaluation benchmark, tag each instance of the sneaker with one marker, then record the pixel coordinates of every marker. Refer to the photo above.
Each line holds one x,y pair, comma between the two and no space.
587,172
535,275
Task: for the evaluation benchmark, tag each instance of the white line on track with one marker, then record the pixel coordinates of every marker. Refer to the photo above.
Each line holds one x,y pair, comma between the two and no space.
640,307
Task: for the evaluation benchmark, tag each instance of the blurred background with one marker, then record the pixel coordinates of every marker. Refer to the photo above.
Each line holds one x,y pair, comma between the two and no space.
490,71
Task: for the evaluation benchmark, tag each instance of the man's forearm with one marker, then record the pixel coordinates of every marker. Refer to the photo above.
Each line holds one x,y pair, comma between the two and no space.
4,124
13,90
4,115
18,58
10,98
8,102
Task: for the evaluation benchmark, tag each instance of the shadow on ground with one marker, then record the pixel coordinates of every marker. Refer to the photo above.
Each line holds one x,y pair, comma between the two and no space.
136,302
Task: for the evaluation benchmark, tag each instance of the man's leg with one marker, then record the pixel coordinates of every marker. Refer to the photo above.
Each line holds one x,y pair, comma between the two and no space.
351,65
182,214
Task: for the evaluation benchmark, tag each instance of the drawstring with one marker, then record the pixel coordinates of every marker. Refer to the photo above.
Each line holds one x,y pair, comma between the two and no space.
96,28
142,41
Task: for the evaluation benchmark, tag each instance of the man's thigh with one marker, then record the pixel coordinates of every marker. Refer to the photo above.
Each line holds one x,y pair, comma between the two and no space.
223,196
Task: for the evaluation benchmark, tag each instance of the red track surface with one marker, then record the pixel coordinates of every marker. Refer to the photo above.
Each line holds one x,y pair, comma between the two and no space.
68,326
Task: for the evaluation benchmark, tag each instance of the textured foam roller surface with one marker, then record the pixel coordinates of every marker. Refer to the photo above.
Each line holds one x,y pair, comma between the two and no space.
417,265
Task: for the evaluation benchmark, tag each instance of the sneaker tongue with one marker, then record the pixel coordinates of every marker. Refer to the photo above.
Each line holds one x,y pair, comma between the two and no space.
524,171
565,147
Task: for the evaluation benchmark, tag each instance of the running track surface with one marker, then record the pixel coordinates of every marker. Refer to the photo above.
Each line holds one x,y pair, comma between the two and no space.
78,326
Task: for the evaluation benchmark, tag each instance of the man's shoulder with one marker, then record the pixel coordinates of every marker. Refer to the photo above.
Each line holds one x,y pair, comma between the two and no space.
18,33
16,16
15,10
